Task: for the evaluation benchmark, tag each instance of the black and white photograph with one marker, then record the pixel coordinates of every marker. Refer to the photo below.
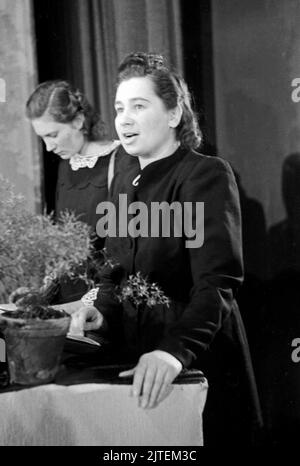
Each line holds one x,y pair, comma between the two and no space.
149,226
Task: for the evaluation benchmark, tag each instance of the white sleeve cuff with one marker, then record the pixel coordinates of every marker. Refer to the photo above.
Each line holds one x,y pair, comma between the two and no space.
169,358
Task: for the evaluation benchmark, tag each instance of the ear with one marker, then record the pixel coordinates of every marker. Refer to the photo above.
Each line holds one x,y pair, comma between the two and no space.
175,116
78,121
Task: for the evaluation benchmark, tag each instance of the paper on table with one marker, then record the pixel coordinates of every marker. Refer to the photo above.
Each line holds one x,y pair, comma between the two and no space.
82,339
7,307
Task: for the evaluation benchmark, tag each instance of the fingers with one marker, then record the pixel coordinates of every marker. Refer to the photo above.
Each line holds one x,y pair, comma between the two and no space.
165,390
86,318
77,323
152,379
162,387
158,385
147,383
94,320
138,379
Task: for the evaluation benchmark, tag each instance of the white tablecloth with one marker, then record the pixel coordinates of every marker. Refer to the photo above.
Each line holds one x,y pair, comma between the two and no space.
100,414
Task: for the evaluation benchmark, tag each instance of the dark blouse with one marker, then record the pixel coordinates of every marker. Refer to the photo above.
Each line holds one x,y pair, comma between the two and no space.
80,191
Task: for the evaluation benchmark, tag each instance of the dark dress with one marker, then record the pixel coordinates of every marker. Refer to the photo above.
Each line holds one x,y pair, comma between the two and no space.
80,191
202,327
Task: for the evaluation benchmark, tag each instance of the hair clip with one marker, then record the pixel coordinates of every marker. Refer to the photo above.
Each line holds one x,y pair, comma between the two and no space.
154,60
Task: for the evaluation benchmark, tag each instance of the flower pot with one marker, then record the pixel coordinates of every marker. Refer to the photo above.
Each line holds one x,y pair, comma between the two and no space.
34,347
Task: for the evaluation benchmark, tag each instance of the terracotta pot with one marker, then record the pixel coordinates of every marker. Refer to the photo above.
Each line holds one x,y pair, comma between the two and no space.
33,347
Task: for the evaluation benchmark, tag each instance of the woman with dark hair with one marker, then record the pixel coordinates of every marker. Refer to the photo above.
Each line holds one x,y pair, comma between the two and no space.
202,326
70,128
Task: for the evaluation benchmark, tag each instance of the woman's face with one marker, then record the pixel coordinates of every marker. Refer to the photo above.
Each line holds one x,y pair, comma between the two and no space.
64,139
144,125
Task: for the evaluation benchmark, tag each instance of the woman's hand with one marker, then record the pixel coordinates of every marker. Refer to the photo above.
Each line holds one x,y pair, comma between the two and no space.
152,377
85,318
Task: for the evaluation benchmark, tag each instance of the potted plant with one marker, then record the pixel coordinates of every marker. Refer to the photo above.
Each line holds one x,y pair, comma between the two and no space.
36,252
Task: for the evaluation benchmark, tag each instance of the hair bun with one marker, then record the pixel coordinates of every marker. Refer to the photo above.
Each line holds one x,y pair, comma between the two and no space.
155,60
143,59
77,98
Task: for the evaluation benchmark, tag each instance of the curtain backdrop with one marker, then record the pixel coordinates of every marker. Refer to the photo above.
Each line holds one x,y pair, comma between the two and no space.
19,155
79,40
104,31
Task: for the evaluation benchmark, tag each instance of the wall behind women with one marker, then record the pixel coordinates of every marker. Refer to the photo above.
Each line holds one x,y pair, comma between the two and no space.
256,48
19,157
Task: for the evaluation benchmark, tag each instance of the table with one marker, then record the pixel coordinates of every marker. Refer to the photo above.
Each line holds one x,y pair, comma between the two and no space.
74,412
89,405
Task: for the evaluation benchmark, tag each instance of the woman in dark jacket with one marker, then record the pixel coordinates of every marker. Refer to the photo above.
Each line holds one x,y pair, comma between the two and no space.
197,263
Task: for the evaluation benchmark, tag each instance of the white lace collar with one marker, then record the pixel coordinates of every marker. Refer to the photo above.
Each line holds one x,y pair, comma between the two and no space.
90,159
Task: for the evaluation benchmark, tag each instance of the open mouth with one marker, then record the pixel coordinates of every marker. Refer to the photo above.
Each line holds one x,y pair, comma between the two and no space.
128,137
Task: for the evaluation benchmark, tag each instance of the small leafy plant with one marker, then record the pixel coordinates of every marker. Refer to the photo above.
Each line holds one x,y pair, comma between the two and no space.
36,252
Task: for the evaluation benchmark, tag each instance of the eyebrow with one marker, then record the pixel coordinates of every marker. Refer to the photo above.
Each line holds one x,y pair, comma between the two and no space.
134,99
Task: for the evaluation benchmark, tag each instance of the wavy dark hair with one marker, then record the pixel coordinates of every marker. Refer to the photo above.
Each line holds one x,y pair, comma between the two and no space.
63,102
170,87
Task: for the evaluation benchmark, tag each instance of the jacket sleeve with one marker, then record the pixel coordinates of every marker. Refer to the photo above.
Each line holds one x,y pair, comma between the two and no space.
216,266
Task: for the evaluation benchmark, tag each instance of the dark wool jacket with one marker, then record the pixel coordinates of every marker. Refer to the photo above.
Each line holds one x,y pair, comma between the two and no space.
201,282
202,327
